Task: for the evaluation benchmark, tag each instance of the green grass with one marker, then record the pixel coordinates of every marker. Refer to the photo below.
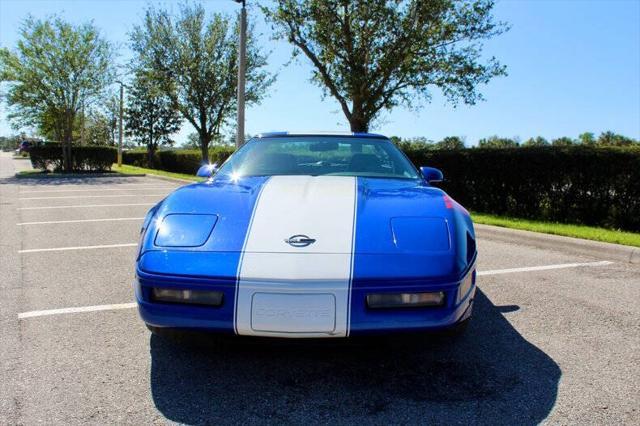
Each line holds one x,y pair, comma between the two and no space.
577,231
133,170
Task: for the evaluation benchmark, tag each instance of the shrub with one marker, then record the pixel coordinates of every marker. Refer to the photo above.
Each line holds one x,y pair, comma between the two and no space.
179,160
84,158
578,184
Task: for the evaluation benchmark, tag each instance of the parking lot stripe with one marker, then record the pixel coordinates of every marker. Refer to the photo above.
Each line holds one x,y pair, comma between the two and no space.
543,268
32,314
94,308
84,206
110,219
78,248
46,191
92,196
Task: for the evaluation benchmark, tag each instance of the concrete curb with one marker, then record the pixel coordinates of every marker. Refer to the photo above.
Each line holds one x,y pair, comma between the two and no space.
606,251
169,178
73,175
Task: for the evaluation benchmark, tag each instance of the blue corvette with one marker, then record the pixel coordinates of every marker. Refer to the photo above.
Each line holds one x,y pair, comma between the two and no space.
303,235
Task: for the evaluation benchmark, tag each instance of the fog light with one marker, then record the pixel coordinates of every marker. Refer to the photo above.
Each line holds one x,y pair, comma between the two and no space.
194,297
405,300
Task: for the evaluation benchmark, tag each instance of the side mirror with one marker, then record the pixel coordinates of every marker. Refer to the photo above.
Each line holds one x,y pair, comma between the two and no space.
207,170
431,174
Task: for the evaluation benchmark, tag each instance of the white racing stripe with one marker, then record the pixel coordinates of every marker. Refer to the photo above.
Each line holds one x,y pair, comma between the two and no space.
92,196
298,295
543,268
73,310
81,206
106,246
33,314
110,219
99,189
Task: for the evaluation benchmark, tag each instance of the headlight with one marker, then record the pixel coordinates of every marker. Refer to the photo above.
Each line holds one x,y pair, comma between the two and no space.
185,230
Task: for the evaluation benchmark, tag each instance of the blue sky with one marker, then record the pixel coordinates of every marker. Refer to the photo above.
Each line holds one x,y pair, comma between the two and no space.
574,66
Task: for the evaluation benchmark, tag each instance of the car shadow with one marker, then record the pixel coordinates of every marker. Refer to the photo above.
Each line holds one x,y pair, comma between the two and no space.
490,375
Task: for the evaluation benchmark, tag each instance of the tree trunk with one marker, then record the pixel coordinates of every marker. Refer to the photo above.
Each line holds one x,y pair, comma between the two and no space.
151,156
359,124
67,160
204,147
67,163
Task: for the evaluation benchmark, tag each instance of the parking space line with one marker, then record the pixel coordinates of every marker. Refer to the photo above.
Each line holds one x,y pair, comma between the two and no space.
543,268
92,196
105,246
45,191
80,206
32,314
110,219
95,308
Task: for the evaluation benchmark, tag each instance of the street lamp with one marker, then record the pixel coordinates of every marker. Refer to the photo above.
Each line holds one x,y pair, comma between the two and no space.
242,64
120,122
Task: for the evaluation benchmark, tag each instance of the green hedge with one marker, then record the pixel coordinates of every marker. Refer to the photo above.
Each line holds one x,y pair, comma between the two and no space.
84,158
582,185
177,161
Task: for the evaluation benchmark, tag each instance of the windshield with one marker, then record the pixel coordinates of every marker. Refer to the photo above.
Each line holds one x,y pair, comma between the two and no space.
320,155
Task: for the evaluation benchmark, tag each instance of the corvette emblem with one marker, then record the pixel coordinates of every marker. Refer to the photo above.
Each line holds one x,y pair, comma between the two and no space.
299,241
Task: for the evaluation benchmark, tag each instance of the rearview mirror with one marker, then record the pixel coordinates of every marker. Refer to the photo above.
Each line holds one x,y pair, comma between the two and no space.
431,174
207,170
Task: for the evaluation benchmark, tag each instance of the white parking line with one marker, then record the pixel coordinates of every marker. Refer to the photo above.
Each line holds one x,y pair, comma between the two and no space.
543,268
91,196
45,191
81,206
32,314
95,308
78,248
110,219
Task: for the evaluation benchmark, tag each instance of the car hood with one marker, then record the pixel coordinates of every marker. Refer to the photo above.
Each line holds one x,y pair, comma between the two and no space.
311,215
381,215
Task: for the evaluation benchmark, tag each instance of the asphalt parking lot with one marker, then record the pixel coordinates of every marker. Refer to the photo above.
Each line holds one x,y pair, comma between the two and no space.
555,337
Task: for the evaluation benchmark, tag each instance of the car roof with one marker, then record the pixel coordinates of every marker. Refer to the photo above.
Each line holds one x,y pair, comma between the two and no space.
330,134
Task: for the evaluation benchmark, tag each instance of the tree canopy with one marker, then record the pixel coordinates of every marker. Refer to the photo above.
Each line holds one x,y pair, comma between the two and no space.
373,55
56,69
151,114
196,60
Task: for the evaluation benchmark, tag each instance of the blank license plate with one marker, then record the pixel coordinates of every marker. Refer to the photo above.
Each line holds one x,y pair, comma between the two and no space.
293,313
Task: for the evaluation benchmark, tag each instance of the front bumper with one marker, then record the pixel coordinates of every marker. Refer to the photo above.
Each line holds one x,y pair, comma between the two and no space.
362,319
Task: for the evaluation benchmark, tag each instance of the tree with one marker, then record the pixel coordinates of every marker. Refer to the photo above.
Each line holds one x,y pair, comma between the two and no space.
562,141
450,142
587,138
537,141
373,55
196,60
193,141
56,68
497,142
97,130
610,138
151,115
112,115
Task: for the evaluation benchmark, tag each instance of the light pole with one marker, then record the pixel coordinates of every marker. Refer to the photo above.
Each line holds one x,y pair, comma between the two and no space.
120,123
242,64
